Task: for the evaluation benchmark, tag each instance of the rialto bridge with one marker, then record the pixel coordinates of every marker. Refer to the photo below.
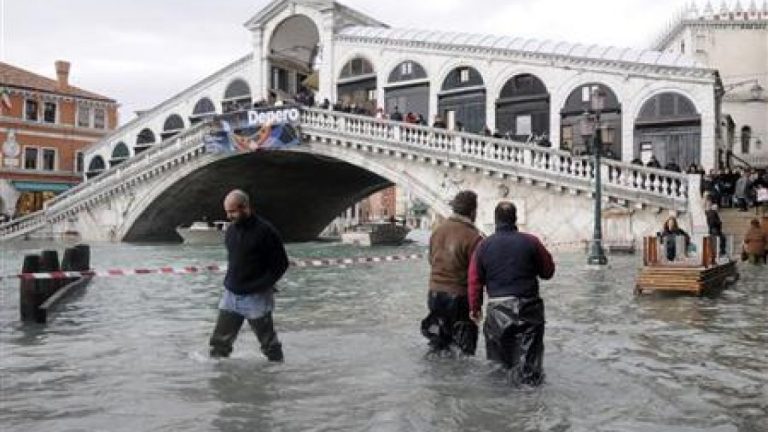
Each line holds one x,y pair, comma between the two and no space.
154,172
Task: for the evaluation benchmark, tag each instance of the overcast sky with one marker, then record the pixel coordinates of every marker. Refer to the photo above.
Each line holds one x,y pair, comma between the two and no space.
140,52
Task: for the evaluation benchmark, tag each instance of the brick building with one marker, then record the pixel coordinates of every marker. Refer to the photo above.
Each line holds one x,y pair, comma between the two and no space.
44,126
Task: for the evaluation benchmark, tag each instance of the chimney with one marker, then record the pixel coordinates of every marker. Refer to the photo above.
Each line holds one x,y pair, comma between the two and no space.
62,74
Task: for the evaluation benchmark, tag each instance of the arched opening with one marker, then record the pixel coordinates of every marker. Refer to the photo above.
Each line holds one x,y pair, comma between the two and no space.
203,109
294,52
357,86
237,97
408,90
522,109
144,140
95,167
461,101
172,125
119,154
579,101
669,128
746,137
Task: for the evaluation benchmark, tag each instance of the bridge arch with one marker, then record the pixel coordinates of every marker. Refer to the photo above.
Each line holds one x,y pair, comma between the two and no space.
338,179
293,51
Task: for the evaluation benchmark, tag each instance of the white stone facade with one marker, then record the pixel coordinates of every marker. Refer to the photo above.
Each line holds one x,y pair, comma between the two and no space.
634,76
734,40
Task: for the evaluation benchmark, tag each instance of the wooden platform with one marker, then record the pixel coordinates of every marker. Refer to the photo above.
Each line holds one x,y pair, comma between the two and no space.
704,274
695,280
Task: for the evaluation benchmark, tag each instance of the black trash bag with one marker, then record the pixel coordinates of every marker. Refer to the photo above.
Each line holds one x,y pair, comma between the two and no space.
448,323
465,336
514,337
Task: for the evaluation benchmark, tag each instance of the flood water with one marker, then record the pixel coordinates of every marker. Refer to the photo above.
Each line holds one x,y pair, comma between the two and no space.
130,354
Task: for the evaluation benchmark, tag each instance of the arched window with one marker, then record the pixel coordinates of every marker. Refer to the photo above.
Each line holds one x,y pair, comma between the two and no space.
204,107
144,140
522,109
746,137
357,85
237,97
668,127
461,101
173,124
119,154
95,167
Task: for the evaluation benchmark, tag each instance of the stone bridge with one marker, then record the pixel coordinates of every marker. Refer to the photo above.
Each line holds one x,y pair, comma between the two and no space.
343,158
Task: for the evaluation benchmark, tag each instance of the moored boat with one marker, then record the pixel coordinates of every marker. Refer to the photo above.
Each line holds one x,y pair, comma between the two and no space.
201,232
375,233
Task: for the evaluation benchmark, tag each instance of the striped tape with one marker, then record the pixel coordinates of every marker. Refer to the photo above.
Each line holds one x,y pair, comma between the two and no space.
215,268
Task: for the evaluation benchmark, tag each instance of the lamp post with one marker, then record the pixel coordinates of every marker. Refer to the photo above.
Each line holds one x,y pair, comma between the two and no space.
590,129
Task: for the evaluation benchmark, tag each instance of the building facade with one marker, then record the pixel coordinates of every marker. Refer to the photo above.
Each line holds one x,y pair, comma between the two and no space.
45,125
734,40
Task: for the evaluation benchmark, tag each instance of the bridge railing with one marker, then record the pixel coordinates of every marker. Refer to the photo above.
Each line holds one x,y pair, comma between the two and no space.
112,177
665,188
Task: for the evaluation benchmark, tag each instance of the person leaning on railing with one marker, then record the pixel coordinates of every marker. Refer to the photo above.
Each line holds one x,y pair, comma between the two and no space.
668,238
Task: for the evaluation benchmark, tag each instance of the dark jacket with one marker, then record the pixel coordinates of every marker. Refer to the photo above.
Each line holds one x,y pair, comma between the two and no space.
508,263
714,223
256,256
450,249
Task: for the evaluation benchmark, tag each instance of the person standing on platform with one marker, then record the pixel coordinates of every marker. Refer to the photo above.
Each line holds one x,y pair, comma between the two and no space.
450,249
256,261
509,265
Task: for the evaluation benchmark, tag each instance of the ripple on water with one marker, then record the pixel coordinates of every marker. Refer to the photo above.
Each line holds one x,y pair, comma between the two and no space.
131,354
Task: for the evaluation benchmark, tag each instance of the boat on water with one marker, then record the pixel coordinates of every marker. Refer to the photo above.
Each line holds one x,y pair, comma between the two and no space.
375,233
201,232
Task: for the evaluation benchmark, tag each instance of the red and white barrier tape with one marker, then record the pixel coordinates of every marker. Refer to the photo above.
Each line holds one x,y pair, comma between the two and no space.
215,268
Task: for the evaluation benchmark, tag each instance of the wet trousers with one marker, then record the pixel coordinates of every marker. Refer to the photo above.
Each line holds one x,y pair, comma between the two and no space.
228,326
448,323
514,337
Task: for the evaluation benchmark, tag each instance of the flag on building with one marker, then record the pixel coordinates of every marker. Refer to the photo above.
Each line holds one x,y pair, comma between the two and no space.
5,98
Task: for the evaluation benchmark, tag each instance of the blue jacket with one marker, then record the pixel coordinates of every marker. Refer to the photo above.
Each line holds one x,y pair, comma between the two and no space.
508,263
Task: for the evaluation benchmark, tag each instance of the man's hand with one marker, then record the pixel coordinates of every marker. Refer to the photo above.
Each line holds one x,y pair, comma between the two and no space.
475,316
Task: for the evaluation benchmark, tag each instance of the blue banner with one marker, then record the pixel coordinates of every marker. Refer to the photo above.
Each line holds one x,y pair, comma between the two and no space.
260,129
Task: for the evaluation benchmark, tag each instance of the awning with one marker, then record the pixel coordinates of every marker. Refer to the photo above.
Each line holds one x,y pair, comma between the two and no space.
32,186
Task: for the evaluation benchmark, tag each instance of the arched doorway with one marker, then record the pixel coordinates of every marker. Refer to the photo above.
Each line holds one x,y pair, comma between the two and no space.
119,154
579,100
357,85
95,167
144,140
461,101
408,89
237,97
668,127
203,108
293,58
173,125
522,109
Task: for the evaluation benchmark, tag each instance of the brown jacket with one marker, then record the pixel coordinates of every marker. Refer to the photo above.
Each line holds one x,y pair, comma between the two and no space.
450,250
754,241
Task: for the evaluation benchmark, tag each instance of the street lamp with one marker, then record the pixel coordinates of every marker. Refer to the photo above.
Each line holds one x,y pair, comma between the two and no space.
590,129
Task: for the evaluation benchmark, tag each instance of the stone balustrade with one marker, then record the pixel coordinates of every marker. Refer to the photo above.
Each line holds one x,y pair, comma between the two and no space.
621,181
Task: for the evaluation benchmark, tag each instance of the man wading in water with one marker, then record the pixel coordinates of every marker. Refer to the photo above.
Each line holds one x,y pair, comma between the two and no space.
256,261
450,249
508,264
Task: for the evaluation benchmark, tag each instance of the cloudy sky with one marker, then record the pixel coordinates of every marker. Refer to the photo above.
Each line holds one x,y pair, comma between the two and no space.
142,51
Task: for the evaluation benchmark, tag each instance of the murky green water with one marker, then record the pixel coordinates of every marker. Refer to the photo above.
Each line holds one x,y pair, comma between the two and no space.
130,354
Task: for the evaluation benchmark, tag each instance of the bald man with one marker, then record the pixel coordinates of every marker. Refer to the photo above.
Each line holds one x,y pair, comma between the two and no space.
256,261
